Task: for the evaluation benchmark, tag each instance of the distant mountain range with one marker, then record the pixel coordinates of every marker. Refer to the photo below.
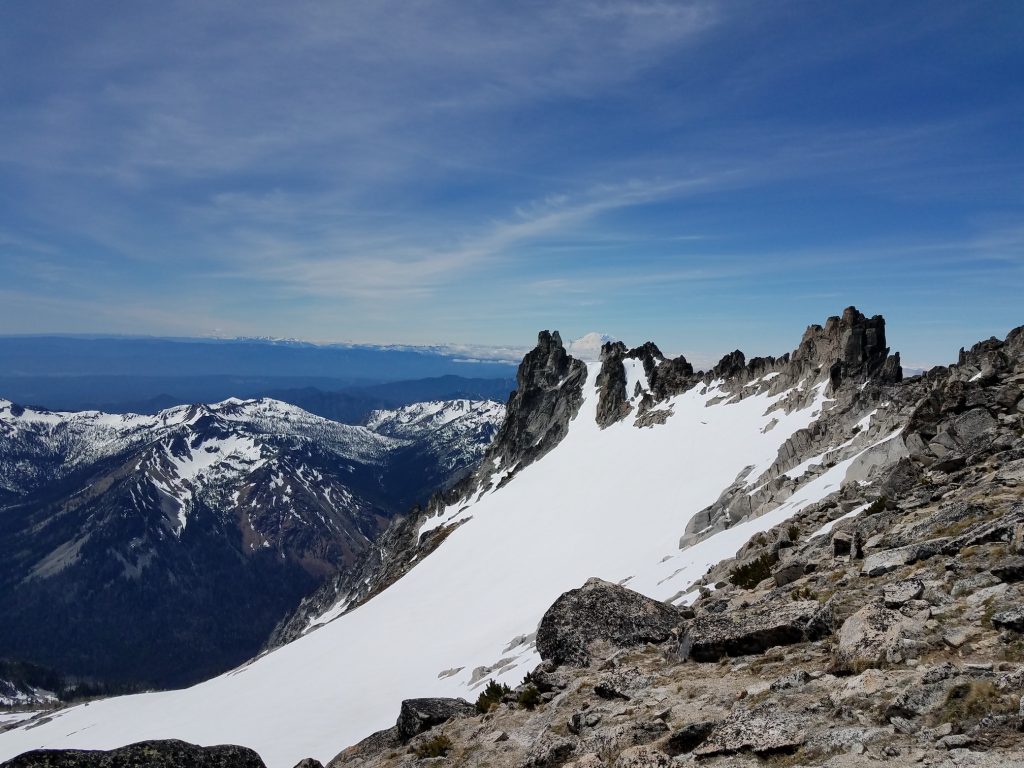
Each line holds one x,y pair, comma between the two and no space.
167,546
146,375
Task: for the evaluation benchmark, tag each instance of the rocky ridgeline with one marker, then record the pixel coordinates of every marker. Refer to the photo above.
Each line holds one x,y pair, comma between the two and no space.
548,395
883,624
850,349
894,634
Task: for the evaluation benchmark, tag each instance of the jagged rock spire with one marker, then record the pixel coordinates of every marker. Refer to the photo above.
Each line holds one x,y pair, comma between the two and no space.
549,392
848,347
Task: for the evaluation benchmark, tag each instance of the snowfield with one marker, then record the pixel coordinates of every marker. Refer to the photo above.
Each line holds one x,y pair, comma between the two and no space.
611,503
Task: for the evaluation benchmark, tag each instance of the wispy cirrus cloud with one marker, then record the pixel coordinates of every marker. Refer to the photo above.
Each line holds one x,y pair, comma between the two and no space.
415,171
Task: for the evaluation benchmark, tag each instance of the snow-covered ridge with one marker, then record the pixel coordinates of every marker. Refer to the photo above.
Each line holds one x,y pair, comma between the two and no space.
610,502
83,436
187,449
411,421
257,500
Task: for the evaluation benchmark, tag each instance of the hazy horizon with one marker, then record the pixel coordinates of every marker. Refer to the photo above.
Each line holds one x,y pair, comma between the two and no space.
489,353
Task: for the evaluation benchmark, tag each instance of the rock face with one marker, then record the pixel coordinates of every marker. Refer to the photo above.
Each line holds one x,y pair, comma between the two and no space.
670,377
1010,570
712,636
902,592
549,392
419,715
1012,619
144,754
874,635
612,402
730,366
642,757
852,347
762,730
601,611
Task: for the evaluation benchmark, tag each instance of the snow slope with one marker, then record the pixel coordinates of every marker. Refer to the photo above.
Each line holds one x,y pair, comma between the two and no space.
610,503
419,419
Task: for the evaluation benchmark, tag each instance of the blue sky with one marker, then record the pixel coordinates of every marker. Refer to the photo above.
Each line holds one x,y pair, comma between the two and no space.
706,174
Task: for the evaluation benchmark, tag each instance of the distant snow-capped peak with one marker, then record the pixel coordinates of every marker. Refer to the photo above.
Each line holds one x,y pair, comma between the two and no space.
588,346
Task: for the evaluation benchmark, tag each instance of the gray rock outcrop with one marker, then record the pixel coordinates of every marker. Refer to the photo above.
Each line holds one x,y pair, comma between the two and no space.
151,754
612,398
1012,619
419,715
920,564
600,611
762,730
902,592
713,636
874,634
549,392
670,377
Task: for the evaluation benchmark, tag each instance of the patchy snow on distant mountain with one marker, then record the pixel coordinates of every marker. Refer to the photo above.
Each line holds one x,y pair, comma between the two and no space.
457,431
419,419
135,520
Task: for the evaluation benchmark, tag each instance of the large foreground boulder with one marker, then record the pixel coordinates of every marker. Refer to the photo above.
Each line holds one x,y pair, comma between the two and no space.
419,715
874,634
600,611
713,636
144,754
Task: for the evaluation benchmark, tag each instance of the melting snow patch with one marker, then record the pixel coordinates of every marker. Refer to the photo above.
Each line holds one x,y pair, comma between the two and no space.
827,527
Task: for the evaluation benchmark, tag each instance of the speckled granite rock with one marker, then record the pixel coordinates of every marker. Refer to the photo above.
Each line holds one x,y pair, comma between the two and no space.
144,754
602,611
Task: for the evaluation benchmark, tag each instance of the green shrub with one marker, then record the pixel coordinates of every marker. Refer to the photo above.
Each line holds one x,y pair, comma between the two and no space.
490,697
529,697
439,746
793,532
804,592
749,575
973,701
